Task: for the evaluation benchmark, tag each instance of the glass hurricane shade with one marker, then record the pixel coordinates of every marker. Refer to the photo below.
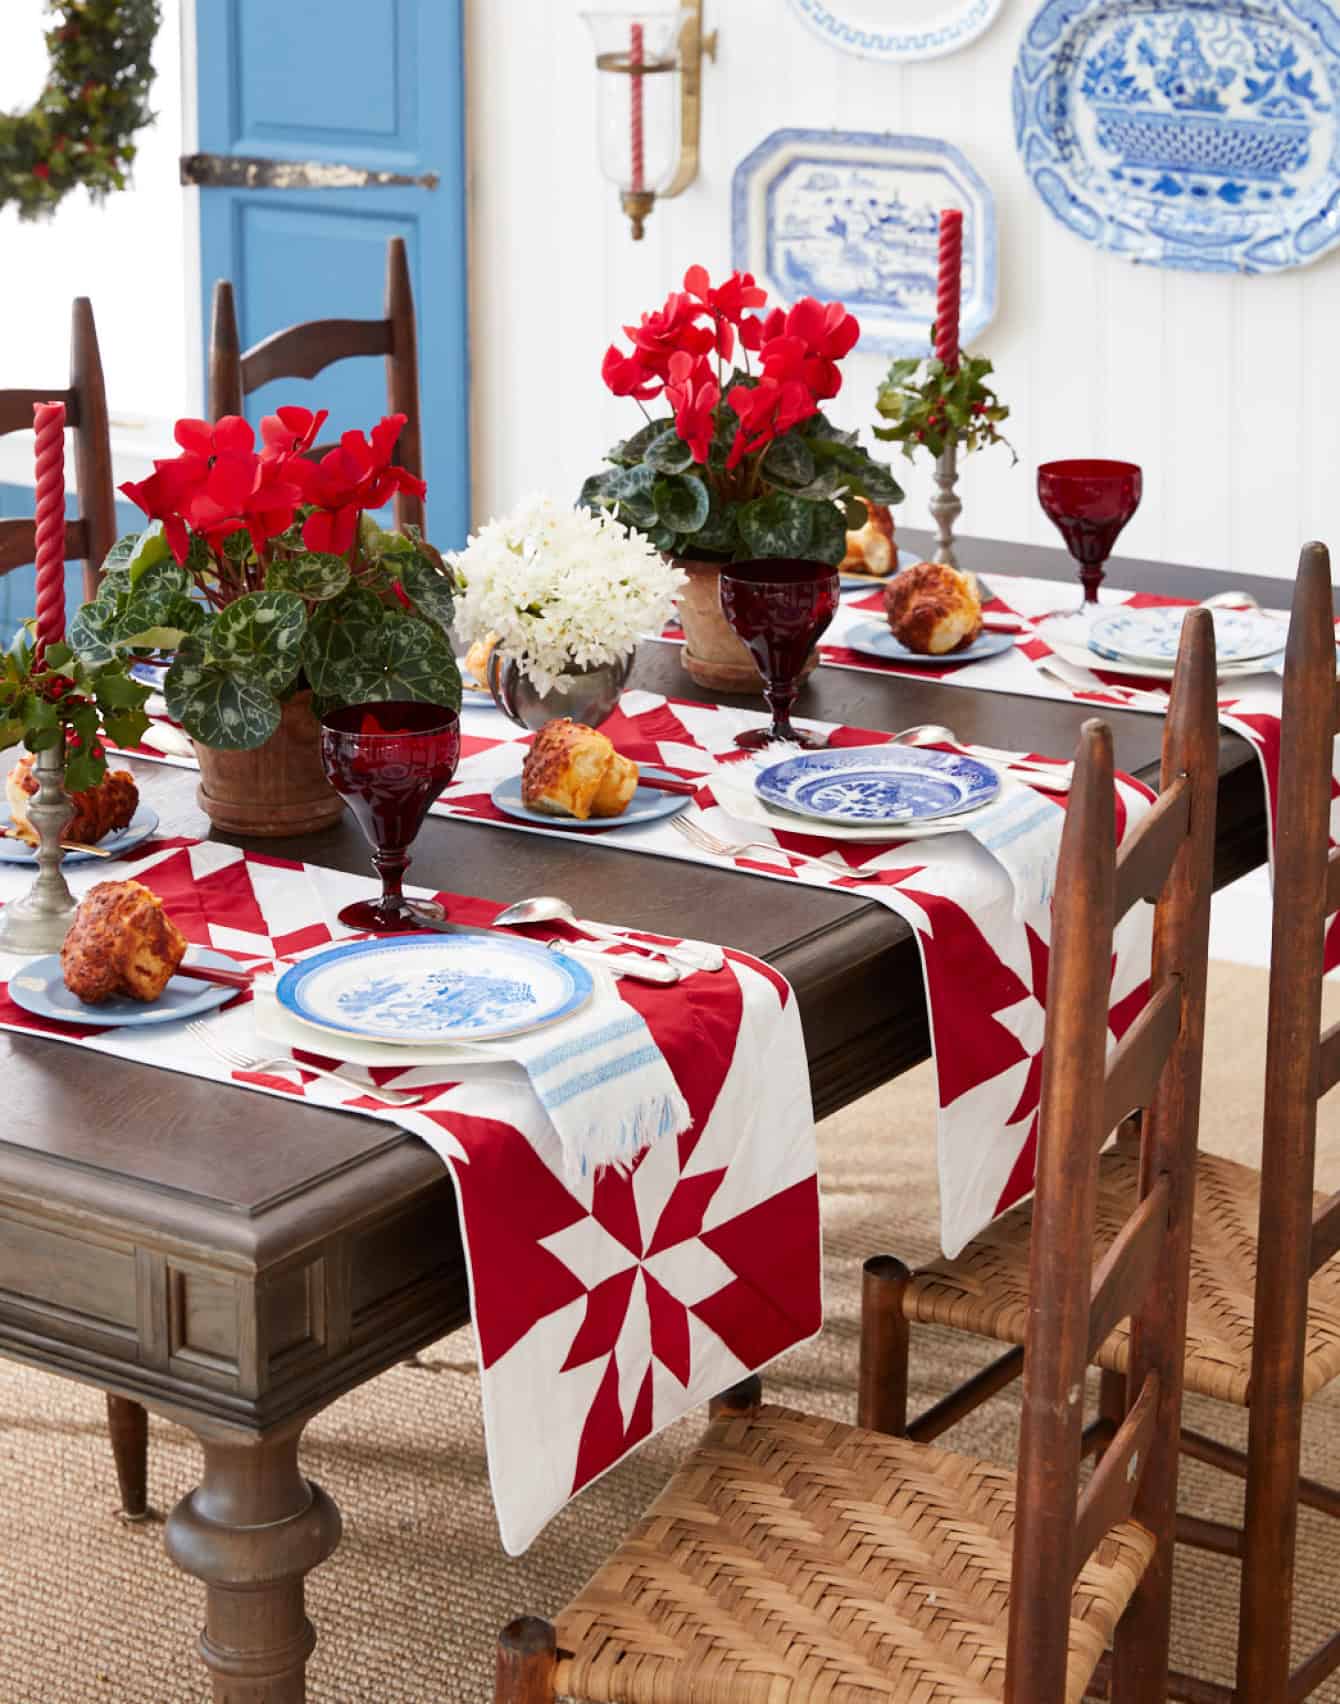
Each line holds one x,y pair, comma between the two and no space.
637,113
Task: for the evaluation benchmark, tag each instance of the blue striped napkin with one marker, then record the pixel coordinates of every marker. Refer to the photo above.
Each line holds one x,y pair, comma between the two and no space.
1021,829
605,1085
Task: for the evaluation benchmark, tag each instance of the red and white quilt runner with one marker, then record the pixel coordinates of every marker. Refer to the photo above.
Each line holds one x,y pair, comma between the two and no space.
611,1305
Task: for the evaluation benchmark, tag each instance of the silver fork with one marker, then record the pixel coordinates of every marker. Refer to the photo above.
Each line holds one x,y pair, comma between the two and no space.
698,836
240,1061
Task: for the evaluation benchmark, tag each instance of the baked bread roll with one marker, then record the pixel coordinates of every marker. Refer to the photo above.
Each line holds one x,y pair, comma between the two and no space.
98,811
872,550
933,609
121,942
571,770
477,659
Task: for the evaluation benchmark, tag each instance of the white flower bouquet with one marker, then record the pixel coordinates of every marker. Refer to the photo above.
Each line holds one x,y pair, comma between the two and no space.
562,589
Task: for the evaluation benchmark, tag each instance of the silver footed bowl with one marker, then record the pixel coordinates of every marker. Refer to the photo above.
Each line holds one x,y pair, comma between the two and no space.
587,695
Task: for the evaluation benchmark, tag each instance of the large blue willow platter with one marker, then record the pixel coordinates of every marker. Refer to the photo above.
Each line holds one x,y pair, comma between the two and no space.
1186,133
872,785
429,988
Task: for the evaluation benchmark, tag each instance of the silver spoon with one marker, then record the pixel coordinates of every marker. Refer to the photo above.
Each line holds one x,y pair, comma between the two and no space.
932,733
545,908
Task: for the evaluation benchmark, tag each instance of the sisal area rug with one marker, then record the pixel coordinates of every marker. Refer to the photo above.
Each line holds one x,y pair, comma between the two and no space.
408,1607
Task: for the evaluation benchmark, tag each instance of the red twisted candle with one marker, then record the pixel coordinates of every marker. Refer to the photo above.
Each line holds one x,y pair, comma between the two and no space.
949,287
49,427
636,79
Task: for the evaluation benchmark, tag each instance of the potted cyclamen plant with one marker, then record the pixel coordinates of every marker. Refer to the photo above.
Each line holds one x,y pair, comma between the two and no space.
277,597
746,465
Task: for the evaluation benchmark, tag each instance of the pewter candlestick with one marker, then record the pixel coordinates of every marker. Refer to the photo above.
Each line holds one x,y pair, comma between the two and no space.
946,505
39,922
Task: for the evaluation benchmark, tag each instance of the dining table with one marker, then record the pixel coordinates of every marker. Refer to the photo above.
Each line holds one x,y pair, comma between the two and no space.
236,1264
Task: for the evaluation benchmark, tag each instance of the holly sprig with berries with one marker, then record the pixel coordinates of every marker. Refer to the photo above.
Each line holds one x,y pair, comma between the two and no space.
47,694
929,408
81,128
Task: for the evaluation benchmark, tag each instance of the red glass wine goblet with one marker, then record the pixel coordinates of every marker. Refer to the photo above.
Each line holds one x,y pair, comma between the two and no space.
390,761
779,607
1090,501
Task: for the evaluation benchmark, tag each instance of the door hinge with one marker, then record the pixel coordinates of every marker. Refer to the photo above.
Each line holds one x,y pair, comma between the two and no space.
238,171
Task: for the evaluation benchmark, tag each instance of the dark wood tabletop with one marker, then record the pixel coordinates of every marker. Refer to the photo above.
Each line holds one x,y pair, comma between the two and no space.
237,1261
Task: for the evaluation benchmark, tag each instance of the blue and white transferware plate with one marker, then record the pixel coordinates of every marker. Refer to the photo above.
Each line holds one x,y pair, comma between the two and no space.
429,988
910,29
878,784
1186,133
40,988
853,216
646,805
1153,635
875,640
135,833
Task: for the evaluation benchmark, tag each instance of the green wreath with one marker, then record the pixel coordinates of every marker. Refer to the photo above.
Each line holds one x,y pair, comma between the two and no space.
81,129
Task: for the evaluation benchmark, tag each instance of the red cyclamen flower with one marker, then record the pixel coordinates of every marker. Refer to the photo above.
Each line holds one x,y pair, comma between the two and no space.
356,475
693,393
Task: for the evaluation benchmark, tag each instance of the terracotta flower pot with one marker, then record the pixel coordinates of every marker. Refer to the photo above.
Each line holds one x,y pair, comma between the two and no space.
712,654
279,788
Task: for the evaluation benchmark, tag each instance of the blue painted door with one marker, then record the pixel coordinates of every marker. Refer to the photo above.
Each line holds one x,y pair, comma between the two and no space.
373,84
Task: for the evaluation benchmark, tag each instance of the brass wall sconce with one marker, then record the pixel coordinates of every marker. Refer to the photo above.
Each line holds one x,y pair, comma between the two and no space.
649,101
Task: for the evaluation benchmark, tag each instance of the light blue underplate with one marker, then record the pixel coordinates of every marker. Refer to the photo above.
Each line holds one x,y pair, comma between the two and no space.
1186,133
875,640
871,785
646,805
1153,635
135,833
430,988
40,989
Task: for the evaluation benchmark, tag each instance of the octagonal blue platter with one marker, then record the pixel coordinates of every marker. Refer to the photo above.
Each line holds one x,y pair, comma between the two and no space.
853,216
1186,134
430,988
873,785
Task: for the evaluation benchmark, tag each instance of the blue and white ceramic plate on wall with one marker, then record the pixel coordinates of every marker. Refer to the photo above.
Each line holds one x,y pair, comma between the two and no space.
853,216
429,988
1185,133
39,987
911,29
135,833
874,639
1153,635
871,785
646,805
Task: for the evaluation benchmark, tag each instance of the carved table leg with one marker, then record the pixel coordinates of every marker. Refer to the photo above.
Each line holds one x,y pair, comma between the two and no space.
252,1530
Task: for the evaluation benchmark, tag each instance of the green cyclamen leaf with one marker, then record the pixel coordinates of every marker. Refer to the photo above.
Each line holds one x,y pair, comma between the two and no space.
151,549
668,453
788,462
828,539
313,575
681,502
429,589
262,634
228,708
777,525
338,634
399,659
94,634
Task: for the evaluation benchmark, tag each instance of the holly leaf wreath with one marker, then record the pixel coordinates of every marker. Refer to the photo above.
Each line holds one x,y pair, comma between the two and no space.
81,128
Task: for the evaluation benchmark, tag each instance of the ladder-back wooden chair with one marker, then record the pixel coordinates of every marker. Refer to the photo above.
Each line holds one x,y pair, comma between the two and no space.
1268,1348
93,532
302,351
793,1557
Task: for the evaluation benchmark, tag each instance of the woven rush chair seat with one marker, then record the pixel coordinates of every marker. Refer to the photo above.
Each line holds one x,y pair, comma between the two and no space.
797,1558
985,1289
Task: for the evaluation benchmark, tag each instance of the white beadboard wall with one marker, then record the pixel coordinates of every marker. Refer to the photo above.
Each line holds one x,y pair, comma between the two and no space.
1224,389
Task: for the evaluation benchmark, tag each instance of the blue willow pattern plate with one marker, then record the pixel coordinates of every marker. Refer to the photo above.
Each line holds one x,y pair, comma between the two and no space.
135,833
1153,635
39,988
430,988
1186,133
878,784
875,640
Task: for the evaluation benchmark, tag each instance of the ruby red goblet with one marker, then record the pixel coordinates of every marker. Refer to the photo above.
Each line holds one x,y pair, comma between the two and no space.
1090,500
779,606
390,761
